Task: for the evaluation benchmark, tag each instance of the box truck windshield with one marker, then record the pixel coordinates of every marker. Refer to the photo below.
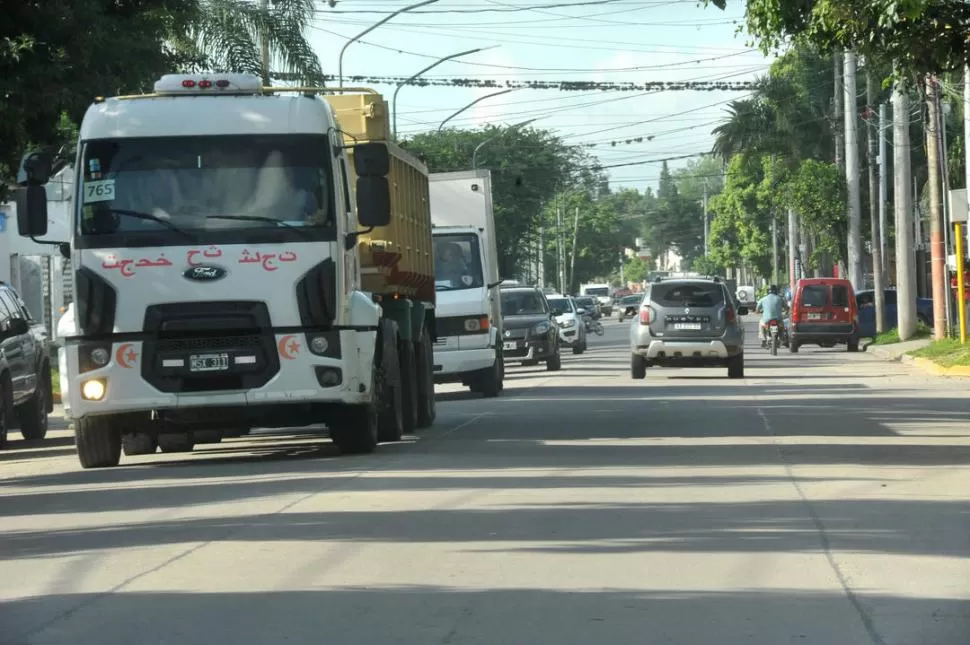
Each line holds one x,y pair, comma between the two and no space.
597,291
458,263
207,187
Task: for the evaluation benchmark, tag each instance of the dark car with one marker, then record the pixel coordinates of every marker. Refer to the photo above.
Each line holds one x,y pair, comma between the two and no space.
531,334
628,306
25,371
866,302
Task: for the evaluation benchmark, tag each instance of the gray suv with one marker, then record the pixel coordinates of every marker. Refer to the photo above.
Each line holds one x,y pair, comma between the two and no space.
688,322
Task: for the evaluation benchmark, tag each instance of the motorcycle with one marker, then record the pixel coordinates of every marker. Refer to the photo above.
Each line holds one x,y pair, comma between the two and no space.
593,325
774,333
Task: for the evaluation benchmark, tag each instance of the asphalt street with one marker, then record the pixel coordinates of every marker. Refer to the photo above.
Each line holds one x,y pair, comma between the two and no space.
824,499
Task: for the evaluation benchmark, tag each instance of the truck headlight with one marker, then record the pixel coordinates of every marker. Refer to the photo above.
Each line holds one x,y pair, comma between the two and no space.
93,390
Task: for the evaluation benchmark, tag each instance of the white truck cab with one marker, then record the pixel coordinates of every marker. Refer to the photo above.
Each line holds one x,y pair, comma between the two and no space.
217,272
468,316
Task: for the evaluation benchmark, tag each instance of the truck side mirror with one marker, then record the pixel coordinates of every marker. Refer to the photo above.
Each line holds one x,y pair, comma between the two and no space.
35,169
373,201
32,211
371,160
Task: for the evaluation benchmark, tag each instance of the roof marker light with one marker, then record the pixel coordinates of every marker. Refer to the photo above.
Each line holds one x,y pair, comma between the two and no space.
228,84
205,84
188,83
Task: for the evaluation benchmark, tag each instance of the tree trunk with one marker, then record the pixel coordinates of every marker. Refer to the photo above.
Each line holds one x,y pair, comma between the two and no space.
937,246
872,90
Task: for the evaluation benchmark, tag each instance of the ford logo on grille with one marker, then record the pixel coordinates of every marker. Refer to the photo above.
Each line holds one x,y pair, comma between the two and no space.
204,273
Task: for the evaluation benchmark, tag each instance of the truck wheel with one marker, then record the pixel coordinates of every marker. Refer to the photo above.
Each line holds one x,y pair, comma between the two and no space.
425,378
391,416
33,413
98,441
207,436
409,385
355,432
172,442
139,443
490,379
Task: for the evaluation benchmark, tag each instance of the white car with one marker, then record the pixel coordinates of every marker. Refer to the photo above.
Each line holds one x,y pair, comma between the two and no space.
572,329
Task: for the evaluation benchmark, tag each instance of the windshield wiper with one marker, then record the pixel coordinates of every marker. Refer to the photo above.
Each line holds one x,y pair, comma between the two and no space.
151,218
443,287
260,218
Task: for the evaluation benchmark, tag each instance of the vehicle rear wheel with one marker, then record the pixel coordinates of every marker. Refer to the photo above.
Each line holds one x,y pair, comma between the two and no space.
409,385
853,344
356,431
176,442
98,442
33,413
638,367
139,443
554,362
425,362
793,346
736,366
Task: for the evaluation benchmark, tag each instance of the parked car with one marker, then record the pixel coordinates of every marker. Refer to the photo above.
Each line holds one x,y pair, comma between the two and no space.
530,334
572,330
866,305
628,306
688,322
824,313
25,370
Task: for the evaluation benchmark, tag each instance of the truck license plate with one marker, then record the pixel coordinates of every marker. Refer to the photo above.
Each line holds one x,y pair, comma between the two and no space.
510,346
692,326
208,362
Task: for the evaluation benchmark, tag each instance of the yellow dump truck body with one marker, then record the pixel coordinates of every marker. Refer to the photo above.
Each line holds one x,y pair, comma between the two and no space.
397,258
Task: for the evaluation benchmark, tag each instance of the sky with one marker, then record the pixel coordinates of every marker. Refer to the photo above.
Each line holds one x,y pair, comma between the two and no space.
555,40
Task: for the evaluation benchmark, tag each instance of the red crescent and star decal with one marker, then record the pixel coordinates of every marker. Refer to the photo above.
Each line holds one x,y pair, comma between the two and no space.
126,356
288,347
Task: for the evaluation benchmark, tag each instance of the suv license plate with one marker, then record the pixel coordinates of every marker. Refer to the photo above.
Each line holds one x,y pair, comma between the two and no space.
694,326
511,345
208,362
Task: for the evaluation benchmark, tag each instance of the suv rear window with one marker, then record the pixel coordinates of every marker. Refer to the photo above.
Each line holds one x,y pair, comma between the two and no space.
687,295
840,295
815,295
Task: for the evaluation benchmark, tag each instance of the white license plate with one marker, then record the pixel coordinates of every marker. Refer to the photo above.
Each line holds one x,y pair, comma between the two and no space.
510,345
774,329
687,326
208,362
814,316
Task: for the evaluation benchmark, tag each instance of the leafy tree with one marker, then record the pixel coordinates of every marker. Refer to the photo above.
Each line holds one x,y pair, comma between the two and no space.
817,192
673,220
742,219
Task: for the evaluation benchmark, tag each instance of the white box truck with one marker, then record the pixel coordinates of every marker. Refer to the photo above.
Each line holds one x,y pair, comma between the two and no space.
468,318
237,265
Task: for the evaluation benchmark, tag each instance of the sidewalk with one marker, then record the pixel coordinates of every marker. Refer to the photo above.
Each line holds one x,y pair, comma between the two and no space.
897,351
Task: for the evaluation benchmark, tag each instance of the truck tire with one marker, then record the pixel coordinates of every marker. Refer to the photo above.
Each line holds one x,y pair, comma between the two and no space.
207,436
490,379
32,414
356,431
425,378
176,442
390,425
409,385
139,443
98,442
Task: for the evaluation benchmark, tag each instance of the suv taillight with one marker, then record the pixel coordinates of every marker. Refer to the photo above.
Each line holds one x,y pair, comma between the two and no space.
729,314
646,315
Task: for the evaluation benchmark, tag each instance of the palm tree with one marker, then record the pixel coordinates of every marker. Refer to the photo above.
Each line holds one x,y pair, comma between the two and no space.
263,37
750,124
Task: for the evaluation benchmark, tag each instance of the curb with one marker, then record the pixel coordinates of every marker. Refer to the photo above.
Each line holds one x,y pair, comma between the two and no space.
927,365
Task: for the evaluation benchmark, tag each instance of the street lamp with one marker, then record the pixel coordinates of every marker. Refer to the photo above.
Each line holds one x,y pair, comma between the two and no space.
340,59
429,67
496,136
475,102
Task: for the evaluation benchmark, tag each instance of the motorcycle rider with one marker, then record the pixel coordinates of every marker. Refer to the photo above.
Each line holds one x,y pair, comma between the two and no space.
771,307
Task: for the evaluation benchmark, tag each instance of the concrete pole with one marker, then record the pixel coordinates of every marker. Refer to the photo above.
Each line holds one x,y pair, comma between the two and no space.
792,248
878,277
883,188
264,48
903,203
706,226
940,284
774,249
966,128
856,273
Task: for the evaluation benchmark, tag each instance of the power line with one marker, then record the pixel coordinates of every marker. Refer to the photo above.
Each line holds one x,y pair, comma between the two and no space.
561,85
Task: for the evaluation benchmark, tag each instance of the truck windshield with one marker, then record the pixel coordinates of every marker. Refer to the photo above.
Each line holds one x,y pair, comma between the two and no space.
208,187
597,291
457,262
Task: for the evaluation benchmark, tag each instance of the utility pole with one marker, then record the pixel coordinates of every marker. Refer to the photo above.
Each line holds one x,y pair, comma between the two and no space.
541,269
903,206
966,126
706,231
937,245
878,277
572,257
774,249
559,267
856,274
792,249
883,188
264,47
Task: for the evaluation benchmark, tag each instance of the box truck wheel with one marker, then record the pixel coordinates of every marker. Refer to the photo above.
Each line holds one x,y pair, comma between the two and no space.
409,384
389,386
173,442
98,441
139,443
425,381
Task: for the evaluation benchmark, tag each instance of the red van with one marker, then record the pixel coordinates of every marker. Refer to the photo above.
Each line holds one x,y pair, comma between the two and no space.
824,313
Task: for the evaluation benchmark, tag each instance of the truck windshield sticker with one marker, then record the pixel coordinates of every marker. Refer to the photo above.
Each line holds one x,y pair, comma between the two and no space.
102,190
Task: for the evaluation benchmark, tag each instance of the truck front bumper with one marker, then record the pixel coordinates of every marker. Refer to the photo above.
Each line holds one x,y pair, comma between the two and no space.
451,364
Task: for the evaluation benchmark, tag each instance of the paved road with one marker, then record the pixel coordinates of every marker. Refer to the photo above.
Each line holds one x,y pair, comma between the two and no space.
823,500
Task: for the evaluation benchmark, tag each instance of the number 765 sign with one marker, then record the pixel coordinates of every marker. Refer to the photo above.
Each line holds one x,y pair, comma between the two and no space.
99,191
